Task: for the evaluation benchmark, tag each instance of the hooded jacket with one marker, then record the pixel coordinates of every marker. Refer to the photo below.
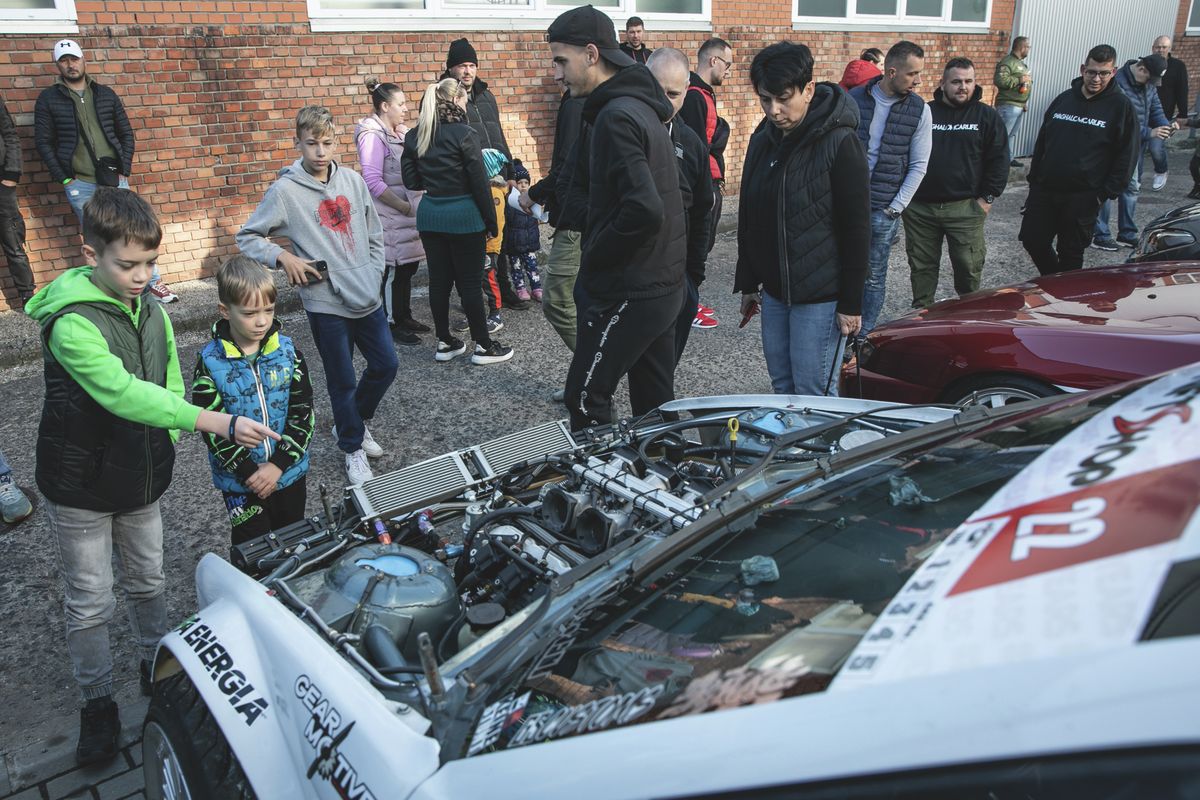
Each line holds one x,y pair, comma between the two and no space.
970,152
634,244
483,115
858,72
1087,144
334,222
10,147
379,157
272,388
696,189
1144,97
114,394
804,216
56,134
452,167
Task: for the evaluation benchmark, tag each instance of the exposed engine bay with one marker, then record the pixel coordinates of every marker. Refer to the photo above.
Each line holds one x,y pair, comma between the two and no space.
411,567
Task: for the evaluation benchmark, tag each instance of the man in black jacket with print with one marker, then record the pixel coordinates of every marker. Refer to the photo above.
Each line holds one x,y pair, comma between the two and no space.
634,241
1085,154
968,169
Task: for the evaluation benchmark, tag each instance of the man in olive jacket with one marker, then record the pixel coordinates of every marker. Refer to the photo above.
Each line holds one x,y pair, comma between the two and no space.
12,224
1013,81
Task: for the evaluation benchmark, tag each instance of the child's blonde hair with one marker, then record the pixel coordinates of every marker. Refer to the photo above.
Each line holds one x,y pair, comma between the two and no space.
241,279
316,120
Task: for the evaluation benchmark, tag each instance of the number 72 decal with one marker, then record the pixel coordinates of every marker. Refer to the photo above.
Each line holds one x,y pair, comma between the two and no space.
1100,521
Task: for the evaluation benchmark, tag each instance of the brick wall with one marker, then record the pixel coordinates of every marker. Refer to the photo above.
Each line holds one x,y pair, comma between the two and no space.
212,93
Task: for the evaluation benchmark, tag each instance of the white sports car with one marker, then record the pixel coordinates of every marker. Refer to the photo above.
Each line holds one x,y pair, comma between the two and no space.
770,597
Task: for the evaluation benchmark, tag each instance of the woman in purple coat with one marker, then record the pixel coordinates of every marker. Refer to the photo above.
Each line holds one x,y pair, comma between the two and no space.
380,140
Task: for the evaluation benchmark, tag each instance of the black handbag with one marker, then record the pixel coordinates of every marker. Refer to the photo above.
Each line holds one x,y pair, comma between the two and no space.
108,169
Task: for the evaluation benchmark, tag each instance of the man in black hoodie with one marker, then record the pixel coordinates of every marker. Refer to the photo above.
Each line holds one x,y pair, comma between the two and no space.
634,244
968,169
1085,154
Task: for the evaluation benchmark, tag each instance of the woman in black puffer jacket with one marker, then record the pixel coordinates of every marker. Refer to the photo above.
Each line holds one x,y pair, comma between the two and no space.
442,157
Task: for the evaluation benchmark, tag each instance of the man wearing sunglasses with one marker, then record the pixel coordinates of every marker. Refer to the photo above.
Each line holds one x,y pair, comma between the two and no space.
1085,154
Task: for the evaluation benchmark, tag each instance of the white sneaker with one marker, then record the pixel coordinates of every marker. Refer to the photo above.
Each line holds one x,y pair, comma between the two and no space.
1160,180
369,445
357,469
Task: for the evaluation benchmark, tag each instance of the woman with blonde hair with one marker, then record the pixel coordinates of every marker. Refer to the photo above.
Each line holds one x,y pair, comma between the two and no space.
380,141
442,156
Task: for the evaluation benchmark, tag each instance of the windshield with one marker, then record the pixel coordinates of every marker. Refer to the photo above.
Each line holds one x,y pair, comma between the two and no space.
775,608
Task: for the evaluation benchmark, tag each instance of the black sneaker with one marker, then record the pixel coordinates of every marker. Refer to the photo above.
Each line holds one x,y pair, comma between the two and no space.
410,324
1194,194
461,325
1104,243
146,675
406,338
493,354
1126,242
1014,163
99,729
450,349
514,302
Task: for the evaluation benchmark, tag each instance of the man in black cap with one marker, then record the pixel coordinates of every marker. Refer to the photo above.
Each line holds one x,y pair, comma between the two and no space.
483,115
1138,80
634,240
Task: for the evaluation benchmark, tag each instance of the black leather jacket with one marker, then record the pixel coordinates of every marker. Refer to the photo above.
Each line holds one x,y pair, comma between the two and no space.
452,166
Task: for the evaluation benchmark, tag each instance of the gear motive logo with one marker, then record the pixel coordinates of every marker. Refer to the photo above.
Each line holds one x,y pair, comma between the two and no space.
222,670
325,732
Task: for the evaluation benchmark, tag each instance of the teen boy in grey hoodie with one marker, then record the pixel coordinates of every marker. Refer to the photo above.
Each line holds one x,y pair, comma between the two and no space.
327,213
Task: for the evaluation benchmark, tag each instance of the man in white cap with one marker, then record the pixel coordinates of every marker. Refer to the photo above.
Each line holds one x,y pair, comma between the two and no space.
83,135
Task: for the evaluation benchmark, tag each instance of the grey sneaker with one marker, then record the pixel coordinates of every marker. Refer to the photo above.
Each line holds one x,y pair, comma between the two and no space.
461,325
1103,243
495,324
15,504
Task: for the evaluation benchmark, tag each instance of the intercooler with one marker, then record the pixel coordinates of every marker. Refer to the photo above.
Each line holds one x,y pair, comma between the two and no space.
447,476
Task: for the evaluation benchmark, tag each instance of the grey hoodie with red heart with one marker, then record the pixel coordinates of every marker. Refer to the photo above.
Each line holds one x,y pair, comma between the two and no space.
334,222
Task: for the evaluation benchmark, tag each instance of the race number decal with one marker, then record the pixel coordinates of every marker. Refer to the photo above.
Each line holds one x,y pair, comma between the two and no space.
1129,513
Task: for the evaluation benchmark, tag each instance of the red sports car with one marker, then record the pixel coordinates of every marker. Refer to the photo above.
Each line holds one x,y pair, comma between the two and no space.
1061,333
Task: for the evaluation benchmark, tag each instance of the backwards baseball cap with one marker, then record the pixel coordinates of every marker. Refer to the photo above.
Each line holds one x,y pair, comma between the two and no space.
67,47
1157,67
586,25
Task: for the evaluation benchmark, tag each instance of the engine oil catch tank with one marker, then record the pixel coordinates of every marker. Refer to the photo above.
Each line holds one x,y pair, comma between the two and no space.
404,590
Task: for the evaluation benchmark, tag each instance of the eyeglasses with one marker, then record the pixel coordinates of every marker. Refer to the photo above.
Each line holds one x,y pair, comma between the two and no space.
727,64
1097,73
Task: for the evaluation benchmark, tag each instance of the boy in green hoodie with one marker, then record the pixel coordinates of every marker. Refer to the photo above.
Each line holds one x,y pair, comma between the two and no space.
105,450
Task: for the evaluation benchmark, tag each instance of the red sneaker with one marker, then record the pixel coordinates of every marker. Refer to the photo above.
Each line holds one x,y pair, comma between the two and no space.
162,293
703,321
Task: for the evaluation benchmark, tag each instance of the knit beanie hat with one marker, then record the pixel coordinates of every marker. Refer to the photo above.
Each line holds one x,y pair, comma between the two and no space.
519,173
493,162
460,53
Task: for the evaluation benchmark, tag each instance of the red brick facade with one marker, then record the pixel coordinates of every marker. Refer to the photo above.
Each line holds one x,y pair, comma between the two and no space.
212,93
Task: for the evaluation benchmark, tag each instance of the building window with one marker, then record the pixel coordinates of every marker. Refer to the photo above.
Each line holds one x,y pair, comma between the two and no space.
476,15
38,16
1193,22
974,13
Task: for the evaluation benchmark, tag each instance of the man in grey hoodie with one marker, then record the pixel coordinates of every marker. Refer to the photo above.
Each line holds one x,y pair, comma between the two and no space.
327,213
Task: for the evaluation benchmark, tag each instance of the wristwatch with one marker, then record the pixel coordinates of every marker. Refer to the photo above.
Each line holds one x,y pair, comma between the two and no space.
891,213
989,198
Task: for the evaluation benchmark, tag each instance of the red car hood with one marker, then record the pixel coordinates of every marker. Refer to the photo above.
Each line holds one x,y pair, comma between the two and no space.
1157,299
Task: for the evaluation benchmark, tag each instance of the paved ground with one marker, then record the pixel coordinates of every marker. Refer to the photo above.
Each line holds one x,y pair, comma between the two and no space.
432,408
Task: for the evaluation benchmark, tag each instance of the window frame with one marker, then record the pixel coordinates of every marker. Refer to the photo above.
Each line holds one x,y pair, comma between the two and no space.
58,20
535,16
900,21
1188,28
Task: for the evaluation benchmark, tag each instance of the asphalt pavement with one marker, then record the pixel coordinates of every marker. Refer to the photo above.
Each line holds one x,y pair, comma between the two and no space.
431,408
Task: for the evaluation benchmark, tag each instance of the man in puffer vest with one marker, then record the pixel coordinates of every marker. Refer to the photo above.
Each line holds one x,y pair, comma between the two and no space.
251,369
896,129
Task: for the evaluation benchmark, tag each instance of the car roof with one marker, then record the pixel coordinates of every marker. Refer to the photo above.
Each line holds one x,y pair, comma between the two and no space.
1069,557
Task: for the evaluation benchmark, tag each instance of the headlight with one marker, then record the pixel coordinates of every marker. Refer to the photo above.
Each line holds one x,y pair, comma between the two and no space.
1157,241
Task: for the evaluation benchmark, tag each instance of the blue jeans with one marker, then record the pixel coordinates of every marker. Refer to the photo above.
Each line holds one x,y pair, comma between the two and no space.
1011,115
1126,207
1158,152
354,400
802,346
883,236
79,192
